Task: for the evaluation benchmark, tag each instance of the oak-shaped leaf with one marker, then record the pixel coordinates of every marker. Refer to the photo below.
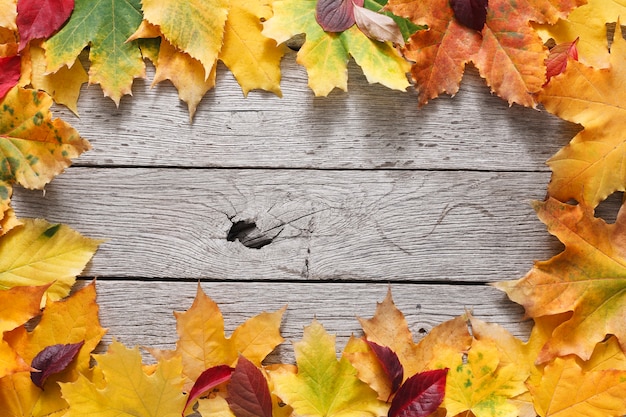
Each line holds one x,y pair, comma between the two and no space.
122,383
587,280
507,51
325,55
248,393
208,380
591,166
390,364
323,385
335,15
52,360
377,26
470,13
420,395
103,26
37,19
10,68
39,253
559,56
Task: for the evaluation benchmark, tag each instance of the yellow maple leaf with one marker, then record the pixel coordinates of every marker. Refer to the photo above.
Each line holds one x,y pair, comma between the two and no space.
8,14
72,320
124,389
202,343
566,390
8,219
593,165
323,385
38,253
587,23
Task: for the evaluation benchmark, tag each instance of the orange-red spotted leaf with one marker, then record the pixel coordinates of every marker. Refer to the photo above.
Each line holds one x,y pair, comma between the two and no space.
38,19
559,55
420,395
10,68
248,393
335,15
390,364
377,26
470,13
53,360
207,380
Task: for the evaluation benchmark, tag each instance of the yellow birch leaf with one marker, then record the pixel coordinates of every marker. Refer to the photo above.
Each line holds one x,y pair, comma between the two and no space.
592,166
588,24
8,14
34,147
39,253
565,390
254,59
63,85
482,384
202,343
128,390
325,386
72,320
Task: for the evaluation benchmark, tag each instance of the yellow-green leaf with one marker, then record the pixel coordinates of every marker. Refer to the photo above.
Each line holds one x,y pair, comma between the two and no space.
325,386
39,253
127,391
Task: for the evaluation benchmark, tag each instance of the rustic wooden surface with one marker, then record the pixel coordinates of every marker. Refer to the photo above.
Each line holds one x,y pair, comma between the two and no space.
318,203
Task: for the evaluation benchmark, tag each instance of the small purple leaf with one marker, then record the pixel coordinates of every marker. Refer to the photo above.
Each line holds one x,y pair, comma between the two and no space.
248,393
52,360
470,13
420,395
336,15
390,363
207,380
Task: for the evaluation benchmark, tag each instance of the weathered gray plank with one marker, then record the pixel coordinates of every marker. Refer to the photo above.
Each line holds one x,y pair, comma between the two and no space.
369,127
324,225
140,313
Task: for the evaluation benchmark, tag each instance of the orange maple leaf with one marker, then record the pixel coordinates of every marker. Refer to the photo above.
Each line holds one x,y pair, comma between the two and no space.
508,52
588,280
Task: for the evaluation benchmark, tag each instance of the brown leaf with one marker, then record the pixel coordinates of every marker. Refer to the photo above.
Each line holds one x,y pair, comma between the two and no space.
248,393
377,26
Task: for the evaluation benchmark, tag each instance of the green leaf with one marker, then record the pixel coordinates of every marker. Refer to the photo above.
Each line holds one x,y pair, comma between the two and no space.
104,26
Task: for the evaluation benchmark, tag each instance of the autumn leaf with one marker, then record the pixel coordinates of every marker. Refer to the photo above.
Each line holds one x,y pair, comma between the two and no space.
248,392
52,360
589,23
72,320
565,390
104,26
559,56
507,52
590,168
323,385
325,55
126,389
470,13
39,253
8,14
202,343
588,279
406,26
35,147
390,363
377,26
420,395
37,19
480,384
208,380
335,15
10,67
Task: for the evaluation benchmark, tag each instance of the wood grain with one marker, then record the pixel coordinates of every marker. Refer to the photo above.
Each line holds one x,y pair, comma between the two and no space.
323,225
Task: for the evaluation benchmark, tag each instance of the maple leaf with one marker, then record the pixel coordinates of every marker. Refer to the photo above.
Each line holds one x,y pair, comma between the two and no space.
125,389
8,14
37,19
587,22
38,253
104,26
202,343
480,384
35,148
566,390
507,52
588,279
591,167
325,55
325,386
72,320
